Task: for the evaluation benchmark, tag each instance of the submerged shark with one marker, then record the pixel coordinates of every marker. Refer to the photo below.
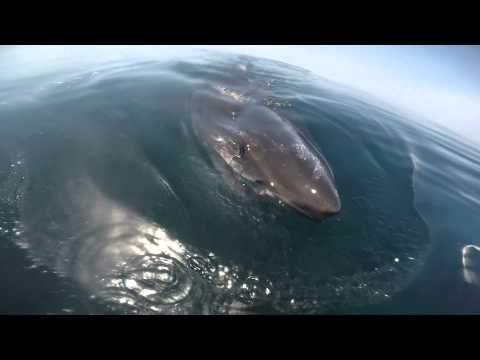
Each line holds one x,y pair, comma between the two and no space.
260,147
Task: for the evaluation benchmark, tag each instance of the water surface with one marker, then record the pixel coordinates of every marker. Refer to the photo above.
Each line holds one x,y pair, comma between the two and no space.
110,204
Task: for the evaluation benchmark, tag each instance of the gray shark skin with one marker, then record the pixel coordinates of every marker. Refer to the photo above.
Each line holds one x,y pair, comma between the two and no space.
265,150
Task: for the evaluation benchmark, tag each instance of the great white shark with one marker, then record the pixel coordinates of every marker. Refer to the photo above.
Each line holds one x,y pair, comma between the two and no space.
262,148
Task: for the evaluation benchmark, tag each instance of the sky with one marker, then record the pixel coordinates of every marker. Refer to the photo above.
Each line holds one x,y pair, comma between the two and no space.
439,83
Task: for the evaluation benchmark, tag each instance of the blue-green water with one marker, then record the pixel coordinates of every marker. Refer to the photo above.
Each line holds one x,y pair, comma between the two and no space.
110,204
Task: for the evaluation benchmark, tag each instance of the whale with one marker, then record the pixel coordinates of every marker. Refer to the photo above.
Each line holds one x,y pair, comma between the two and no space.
264,151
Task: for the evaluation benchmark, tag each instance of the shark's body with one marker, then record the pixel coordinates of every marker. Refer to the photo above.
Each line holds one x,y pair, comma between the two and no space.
262,148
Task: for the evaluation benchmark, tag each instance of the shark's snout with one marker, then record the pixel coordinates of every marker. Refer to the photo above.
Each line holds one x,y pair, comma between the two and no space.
319,211
318,203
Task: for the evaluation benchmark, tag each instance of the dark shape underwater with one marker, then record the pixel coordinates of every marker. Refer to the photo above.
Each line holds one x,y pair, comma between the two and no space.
255,143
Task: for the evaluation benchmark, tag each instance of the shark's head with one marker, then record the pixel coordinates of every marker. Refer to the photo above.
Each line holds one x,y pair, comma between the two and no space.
293,173
261,147
285,164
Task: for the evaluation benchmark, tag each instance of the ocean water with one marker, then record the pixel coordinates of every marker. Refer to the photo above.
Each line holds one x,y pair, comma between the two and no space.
109,204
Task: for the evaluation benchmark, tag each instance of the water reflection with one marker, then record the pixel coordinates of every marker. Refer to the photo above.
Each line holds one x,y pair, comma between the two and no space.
131,263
